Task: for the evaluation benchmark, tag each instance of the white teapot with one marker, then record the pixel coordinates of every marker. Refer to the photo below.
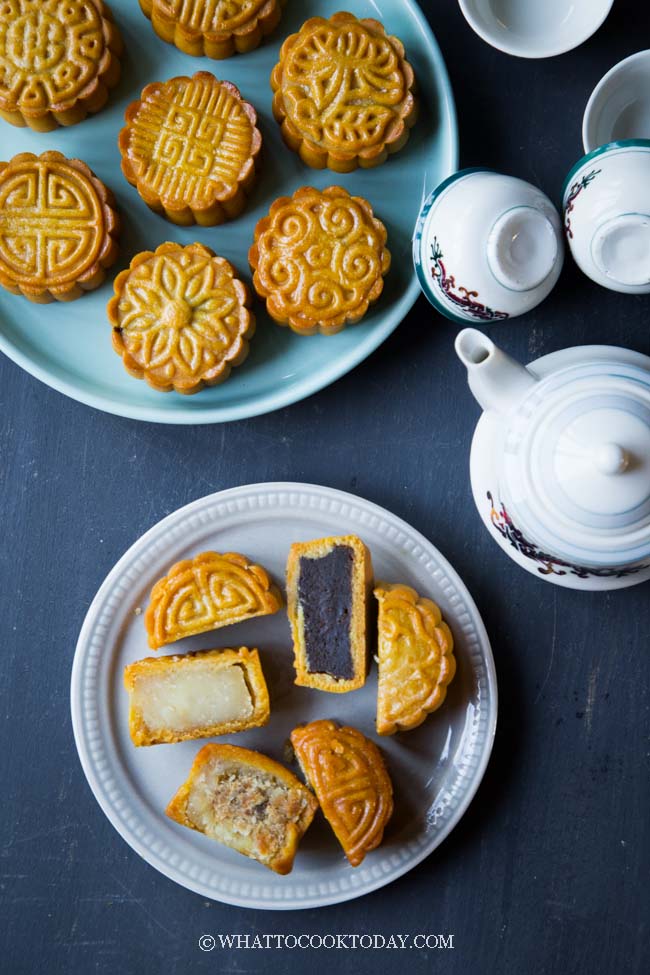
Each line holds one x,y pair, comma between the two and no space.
560,460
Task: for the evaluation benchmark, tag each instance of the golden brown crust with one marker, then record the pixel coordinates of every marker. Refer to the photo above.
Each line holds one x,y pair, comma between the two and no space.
200,28
416,660
319,259
181,318
58,227
205,593
347,772
72,78
343,93
191,148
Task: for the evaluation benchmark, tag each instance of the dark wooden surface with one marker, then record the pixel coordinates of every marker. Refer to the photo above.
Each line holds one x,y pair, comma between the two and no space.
548,871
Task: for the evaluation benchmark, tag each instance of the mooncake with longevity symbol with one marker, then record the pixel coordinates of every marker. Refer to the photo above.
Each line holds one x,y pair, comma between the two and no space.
214,28
246,801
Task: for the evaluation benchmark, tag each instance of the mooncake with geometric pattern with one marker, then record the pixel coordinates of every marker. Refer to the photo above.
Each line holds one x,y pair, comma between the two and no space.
347,772
205,593
180,318
319,259
58,59
191,147
214,28
343,93
415,658
58,227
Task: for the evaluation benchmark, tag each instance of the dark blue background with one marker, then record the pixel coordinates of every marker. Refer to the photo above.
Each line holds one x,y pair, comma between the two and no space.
548,870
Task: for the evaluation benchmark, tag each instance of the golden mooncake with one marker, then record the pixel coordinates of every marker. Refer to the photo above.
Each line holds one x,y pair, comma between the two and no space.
214,28
328,585
343,93
58,59
246,801
319,259
190,147
347,772
195,695
58,227
180,318
415,659
205,593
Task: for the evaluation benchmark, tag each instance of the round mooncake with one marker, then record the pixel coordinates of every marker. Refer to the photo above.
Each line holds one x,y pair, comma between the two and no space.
58,59
214,28
180,318
190,147
343,93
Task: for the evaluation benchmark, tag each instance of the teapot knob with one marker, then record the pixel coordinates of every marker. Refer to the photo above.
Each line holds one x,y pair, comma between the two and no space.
611,458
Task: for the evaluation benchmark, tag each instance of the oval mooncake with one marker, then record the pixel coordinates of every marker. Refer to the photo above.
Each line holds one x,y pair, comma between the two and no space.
213,28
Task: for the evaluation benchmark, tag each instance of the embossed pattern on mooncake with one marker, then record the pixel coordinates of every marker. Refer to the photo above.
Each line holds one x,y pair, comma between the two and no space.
416,660
57,60
58,227
214,28
207,592
347,772
180,318
343,93
319,259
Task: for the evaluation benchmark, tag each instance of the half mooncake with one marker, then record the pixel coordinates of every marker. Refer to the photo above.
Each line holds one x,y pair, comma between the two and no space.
58,58
328,583
415,657
214,28
246,801
190,146
319,259
180,318
58,227
205,593
347,772
343,93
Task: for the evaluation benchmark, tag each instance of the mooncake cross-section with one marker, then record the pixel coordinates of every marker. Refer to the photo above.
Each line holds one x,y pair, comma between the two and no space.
246,801
214,28
195,695
205,593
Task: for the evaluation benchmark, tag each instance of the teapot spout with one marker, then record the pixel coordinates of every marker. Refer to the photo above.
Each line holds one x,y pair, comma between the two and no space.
497,381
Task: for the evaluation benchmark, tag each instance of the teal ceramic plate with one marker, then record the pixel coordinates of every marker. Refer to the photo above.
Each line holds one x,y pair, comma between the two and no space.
68,346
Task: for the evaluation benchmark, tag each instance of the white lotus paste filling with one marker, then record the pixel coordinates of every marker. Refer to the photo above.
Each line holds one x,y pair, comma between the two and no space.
193,697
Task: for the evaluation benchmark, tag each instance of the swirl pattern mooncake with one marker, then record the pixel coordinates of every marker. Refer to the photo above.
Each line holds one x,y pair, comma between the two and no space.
58,227
343,93
214,28
319,259
180,318
57,60
347,772
415,658
190,147
207,592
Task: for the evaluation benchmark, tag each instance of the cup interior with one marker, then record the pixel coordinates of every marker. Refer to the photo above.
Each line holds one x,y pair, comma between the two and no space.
619,107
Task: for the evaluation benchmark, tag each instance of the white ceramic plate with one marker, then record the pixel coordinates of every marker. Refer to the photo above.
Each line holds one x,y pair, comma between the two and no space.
435,769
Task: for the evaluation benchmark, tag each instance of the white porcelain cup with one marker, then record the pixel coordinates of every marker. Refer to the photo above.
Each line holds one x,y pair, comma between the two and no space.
619,106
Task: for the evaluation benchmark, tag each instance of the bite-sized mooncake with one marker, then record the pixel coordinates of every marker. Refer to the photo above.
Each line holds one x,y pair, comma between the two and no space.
214,28
343,93
58,227
319,259
205,593
415,658
58,59
347,772
195,695
328,584
190,146
246,801
181,318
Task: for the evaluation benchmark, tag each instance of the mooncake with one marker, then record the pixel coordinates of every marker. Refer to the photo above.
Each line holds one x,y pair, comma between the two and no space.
246,801
319,259
343,93
205,593
190,147
195,695
180,318
328,584
347,772
58,59
415,659
214,28
58,227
